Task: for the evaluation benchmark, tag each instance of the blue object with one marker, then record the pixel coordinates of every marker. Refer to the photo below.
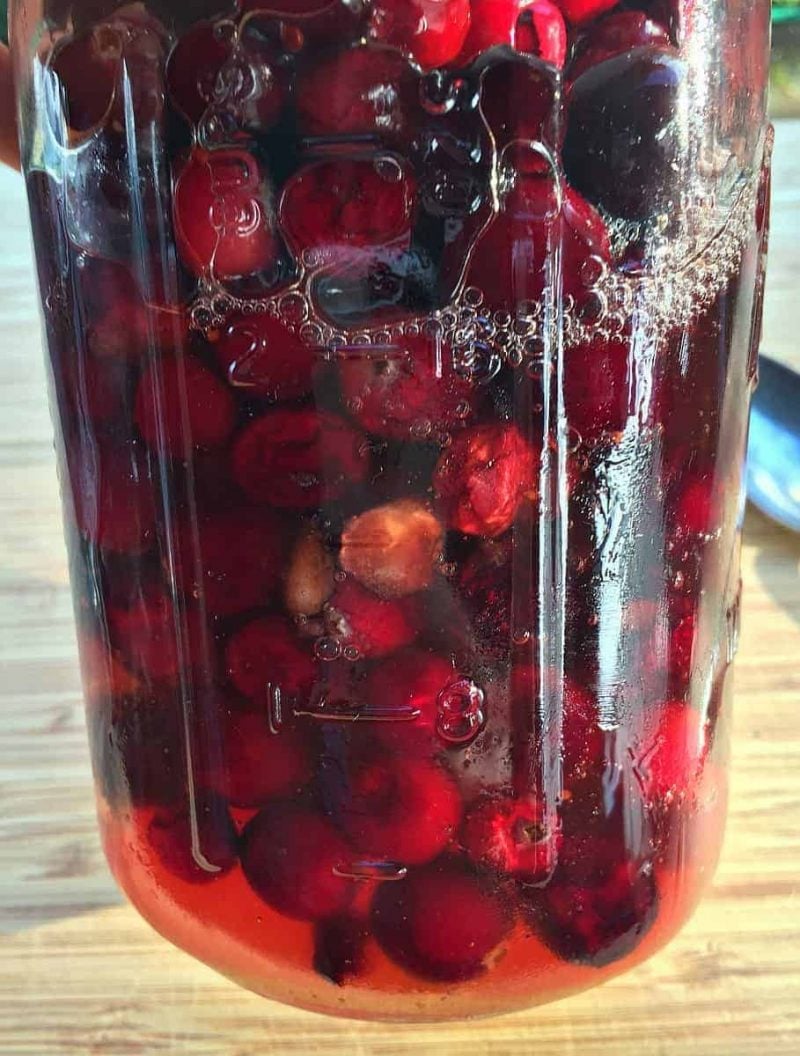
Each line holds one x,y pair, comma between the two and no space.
773,460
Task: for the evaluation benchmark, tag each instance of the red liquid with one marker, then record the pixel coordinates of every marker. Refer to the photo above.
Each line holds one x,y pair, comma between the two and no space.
402,471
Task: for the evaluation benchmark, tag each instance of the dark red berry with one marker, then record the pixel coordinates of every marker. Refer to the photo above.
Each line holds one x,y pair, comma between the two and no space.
261,762
409,390
102,674
580,11
694,507
224,214
484,585
669,760
193,69
363,91
514,836
100,389
180,404
532,26
597,391
292,858
336,207
267,653
622,31
159,640
201,859
230,562
431,32
262,357
340,947
518,100
408,685
396,809
115,499
299,459
484,477
442,922
373,626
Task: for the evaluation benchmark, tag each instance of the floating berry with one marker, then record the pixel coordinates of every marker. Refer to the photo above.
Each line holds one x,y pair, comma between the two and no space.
409,390
180,404
291,858
431,32
620,32
224,214
299,459
532,26
115,499
513,836
230,561
267,652
363,91
157,639
212,855
403,810
393,549
260,763
373,626
442,922
483,478
262,357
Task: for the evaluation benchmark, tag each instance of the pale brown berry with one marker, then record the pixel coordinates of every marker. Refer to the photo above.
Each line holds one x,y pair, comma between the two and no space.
309,579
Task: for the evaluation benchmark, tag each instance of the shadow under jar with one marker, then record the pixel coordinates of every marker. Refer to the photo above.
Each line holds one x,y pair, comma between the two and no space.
401,356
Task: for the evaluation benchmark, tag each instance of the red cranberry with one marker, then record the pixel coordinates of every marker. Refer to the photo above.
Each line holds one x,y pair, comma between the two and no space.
513,836
267,651
580,11
431,32
670,760
599,903
291,858
441,922
363,91
513,261
403,810
215,852
694,507
340,947
350,203
115,500
484,477
230,561
180,404
224,214
147,635
408,391
243,78
263,358
299,458
623,144
260,764
620,32
409,685
532,26
596,388
371,625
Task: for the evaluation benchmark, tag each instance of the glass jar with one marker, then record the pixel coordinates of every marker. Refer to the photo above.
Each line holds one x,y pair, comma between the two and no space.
401,355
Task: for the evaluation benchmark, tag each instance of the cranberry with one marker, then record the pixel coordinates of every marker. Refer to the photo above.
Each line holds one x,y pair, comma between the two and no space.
115,500
340,947
514,836
669,762
158,640
623,145
619,33
431,32
408,390
299,458
403,810
224,214
599,903
694,507
362,91
371,625
580,11
291,857
337,206
101,391
484,477
393,549
309,578
267,652
230,561
532,26
180,404
514,259
484,584
261,356
408,685
215,852
260,764
244,79
441,922
597,393
518,100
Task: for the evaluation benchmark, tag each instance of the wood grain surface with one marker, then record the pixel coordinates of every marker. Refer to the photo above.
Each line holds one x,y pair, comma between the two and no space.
81,973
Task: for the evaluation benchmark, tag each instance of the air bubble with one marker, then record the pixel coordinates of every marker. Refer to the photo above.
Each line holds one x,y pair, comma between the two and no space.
421,430
439,94
351,653
473,297
389,168
327,649
521,637
339,576
592,270
311,334
292,308
461,712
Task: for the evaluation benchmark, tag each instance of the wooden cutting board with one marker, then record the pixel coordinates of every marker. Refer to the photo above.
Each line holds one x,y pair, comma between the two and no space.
81,973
